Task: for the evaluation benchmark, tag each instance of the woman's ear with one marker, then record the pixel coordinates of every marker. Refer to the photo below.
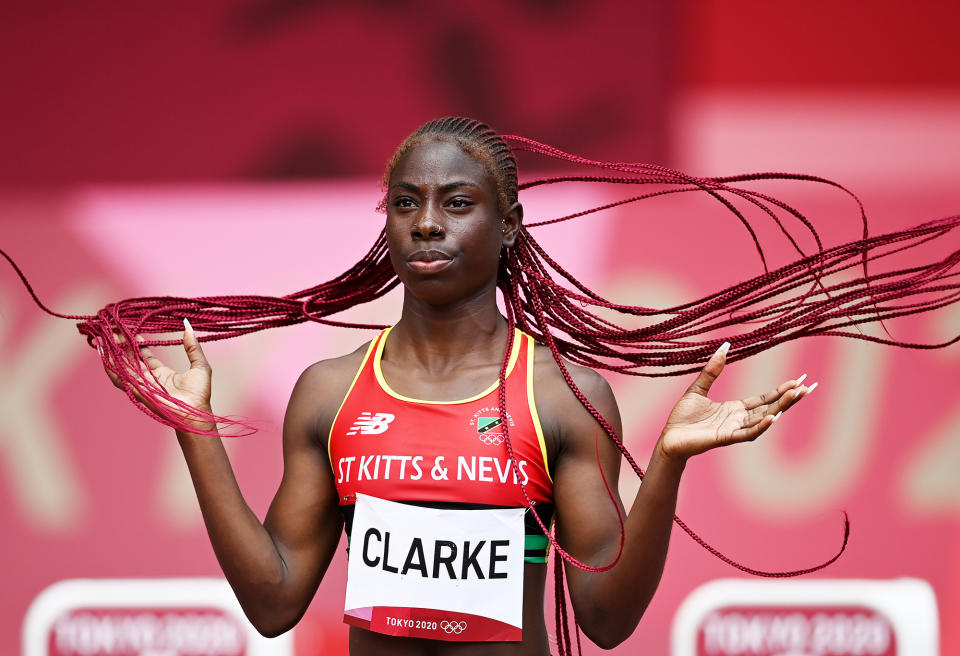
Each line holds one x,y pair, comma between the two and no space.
511,224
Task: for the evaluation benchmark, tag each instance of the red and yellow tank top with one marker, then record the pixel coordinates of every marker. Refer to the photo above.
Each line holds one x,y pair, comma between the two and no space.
443,453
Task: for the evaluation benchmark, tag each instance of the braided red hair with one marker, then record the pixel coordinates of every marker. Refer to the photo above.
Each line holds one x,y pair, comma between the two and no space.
801,299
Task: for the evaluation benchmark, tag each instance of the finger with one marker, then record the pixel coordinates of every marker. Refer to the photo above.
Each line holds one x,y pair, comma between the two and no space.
135,363
150,359
784,403
118,382
752,432
114,378
789,399
111,374
774,408
710,372
148,356
136,367
144,375
136,383
120,338
192,346
772,395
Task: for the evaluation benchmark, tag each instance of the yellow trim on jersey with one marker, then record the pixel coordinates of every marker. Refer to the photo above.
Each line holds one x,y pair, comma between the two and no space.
346,396
533,406
514,354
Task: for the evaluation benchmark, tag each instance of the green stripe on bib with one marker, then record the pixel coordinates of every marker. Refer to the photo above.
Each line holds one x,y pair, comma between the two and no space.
535,548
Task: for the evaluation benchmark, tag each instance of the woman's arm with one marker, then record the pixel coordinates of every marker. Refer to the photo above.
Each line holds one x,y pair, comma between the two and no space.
274,567
609,604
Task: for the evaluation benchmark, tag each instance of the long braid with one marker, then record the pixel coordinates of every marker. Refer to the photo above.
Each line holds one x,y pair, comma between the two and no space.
544,300
118,325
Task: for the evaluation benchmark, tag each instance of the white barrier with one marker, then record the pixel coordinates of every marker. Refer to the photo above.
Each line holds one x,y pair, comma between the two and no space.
143,617
738,617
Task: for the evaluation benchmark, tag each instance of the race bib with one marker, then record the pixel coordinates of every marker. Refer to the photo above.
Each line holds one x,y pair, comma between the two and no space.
432,573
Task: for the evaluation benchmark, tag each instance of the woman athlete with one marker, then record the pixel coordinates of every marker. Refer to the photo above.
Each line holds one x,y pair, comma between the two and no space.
449,221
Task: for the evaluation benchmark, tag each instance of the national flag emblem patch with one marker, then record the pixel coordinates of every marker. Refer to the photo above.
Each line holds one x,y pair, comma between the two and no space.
490,430
489,425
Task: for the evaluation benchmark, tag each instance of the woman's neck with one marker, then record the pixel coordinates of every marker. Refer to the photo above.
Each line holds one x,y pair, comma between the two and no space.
469,332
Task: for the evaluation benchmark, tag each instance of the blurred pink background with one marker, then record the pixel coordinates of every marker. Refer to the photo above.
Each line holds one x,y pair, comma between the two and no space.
235,147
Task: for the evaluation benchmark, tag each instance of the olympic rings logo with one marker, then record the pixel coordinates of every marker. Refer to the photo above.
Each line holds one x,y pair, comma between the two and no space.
453,627
492,440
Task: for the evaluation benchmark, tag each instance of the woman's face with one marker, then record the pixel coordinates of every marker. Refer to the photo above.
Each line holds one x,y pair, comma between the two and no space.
444,229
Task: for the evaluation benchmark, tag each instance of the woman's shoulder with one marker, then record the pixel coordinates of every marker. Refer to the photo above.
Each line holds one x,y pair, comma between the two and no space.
332,373
556,399
320,390
547,374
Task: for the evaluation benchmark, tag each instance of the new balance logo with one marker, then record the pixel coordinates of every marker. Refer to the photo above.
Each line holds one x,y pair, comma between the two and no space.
371,424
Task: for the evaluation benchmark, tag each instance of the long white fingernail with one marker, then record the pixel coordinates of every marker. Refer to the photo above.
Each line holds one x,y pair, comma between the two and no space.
777,416
186,326
723,348
801,379
812,387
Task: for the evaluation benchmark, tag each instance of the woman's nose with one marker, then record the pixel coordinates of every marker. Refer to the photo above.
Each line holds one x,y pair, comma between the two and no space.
426,226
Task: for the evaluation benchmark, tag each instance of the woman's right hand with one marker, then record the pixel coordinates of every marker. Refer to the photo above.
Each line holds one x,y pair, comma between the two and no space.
191,386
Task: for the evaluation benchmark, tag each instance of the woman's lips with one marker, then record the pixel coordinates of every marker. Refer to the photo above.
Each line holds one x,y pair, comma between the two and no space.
430,261
429,266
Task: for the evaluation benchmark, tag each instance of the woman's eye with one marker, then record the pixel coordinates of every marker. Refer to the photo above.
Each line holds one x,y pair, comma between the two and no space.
403,201
458,203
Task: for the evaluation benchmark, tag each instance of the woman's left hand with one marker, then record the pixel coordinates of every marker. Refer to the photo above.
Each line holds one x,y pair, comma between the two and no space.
698,423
